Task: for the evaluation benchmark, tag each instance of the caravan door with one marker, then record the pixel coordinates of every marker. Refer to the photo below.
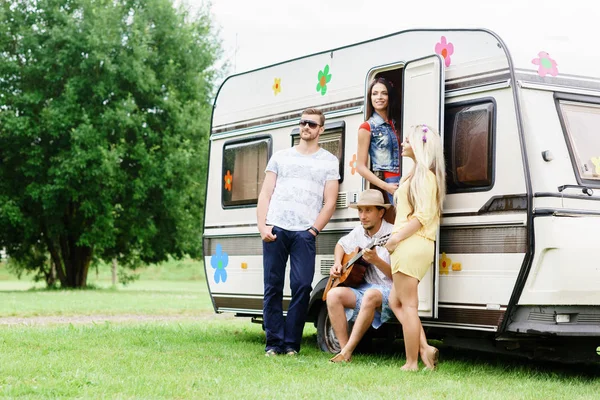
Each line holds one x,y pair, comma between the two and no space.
423,103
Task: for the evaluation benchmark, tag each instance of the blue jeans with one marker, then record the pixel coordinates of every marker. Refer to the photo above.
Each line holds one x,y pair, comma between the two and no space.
284,334
393,179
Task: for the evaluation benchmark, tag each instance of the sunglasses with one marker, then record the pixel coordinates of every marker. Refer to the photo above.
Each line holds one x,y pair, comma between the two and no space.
311,124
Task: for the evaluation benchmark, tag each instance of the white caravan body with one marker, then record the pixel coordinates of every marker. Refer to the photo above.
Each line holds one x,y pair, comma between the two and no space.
517,264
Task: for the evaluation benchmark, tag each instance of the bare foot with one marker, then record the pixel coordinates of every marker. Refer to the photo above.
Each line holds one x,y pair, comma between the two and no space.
411,368
430,357
340,358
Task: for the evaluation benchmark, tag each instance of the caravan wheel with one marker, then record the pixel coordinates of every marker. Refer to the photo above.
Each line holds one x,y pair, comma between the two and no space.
325,336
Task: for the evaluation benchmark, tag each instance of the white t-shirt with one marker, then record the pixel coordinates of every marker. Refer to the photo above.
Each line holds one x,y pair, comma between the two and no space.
298,195
359,238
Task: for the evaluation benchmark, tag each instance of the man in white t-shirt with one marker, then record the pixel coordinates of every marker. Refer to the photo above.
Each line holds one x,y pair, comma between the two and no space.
296,201
366,305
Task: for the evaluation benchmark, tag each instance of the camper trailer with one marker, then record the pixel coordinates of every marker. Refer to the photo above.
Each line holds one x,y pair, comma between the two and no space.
517,267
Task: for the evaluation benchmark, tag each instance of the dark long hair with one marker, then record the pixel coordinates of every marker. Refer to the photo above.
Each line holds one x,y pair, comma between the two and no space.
392,98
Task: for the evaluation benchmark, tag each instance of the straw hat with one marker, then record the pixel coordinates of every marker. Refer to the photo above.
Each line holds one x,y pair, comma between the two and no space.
370,197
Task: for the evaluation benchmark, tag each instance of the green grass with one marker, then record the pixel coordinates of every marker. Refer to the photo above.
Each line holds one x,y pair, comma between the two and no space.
155,298
172,270
224,359
4,274
158,292
200,356
100,275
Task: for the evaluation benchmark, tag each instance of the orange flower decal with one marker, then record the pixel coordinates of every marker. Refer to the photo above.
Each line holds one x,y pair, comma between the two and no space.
277,86
228,180
352,164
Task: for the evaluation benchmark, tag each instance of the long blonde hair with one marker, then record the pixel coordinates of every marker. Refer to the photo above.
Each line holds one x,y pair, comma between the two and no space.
427,147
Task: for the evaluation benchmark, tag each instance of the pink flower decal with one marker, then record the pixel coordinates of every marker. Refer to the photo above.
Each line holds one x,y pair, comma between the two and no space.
546,64
445,49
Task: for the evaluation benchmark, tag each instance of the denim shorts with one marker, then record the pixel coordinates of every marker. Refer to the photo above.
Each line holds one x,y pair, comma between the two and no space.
392,179
380,316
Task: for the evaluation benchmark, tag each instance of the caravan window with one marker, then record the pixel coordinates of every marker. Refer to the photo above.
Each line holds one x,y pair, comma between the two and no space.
244,164
468,146
581,122
332,140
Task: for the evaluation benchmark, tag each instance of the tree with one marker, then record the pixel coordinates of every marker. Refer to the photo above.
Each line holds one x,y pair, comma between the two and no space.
104,122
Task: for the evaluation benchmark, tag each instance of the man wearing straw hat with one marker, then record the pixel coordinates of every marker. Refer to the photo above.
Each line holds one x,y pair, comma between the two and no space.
366,304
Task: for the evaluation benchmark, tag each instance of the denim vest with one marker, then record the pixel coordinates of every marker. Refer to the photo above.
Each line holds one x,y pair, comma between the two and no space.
384,148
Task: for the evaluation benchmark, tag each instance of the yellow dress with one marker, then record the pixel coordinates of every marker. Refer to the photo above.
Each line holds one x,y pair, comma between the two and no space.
414,255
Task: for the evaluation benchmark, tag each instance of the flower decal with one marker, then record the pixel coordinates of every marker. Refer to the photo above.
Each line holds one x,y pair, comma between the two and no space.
445,49
219,262
324,78
228,180
596,162
445,263
456,266
277,86
352,164
546,64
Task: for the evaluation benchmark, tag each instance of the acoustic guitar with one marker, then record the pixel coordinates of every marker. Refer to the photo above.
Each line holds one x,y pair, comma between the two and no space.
353,267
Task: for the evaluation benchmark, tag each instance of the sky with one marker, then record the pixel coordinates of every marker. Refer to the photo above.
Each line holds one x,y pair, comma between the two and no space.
256,33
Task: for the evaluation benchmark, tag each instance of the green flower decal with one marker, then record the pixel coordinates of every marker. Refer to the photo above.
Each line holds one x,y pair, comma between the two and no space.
324,78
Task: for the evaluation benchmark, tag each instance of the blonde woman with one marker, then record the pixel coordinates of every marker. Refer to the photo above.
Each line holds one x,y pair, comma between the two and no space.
418,202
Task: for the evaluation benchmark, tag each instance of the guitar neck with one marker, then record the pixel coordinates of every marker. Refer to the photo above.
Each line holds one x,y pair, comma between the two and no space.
377,242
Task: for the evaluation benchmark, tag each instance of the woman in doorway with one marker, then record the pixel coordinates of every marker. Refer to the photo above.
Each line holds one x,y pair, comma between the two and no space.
412,244
379,139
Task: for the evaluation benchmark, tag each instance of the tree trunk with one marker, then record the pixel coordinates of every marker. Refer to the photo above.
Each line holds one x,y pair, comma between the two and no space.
72,262
56,260
51,275
81,258
114,272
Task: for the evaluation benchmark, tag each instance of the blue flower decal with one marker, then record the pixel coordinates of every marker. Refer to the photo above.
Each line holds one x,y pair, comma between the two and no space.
219,261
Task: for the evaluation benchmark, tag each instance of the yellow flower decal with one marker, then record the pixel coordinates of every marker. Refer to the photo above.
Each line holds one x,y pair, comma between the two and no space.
277,86
596,161
445,263
456,267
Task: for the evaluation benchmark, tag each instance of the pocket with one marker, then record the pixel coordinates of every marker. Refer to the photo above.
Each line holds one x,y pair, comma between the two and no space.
379,139
308,237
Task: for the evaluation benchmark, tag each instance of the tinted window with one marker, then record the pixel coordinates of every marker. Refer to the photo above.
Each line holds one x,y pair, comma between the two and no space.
468,139
582,125
244,171
332,140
